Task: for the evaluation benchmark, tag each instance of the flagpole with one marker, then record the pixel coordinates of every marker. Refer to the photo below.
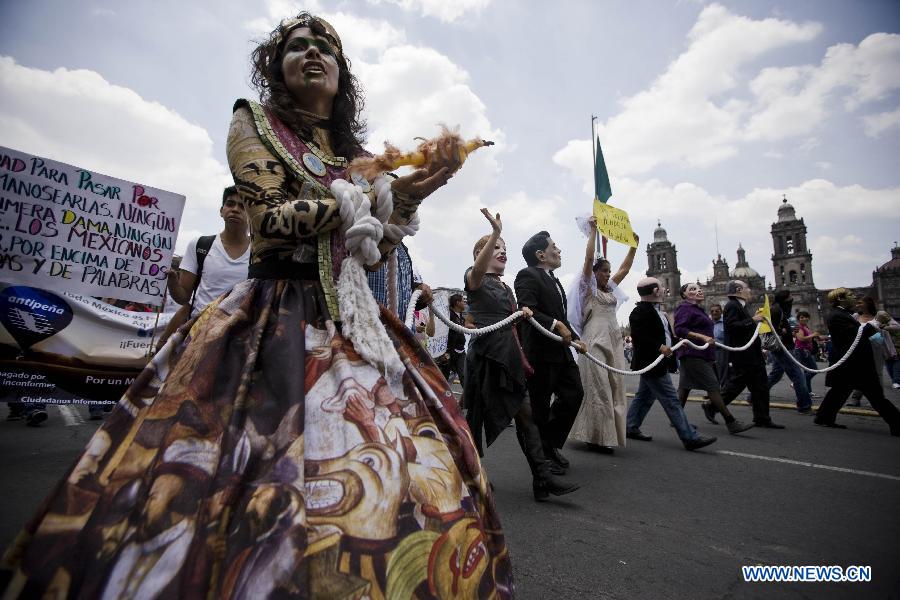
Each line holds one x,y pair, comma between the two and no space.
599,249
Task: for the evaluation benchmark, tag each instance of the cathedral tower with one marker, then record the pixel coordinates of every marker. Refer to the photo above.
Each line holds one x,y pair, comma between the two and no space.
662,262
792,262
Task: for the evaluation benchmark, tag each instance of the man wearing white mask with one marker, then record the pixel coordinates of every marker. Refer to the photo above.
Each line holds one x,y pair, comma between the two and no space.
748,368
652,335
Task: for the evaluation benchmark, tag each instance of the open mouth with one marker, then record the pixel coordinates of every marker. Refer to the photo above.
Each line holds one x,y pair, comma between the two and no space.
336,493
474,554
501,259
314,69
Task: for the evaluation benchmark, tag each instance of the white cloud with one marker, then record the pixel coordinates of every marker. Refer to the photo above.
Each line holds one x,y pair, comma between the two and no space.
794,100
876,125
690,114
440,9
845,249
697,112
112,130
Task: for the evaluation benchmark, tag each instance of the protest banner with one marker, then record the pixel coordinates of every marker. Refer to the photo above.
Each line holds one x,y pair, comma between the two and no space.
614,223
61,348
69,229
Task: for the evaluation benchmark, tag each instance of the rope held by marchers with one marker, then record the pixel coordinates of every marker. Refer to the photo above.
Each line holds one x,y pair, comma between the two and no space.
519,314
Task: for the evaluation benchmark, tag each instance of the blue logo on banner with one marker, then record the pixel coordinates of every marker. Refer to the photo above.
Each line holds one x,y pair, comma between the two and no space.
32,315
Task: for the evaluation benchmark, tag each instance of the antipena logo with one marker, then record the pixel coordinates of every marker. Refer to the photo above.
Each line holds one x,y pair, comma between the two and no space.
32,315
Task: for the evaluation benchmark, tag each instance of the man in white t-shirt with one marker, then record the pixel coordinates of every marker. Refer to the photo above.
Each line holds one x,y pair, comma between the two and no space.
225,264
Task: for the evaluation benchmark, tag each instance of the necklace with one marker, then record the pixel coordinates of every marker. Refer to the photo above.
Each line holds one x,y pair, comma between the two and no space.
312,116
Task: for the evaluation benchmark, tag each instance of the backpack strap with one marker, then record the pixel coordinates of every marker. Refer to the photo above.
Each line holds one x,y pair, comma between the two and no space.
204,243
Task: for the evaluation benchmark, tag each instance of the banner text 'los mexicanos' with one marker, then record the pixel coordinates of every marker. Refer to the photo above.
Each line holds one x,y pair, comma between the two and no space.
69,229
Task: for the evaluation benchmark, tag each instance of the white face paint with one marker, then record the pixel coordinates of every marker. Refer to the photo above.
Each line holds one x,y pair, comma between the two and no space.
693,293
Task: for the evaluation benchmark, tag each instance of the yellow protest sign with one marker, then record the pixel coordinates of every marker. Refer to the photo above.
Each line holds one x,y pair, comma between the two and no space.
614,223
765,311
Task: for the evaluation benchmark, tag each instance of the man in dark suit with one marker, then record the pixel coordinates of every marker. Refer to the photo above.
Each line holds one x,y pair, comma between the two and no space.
651,334
748,368
555,370
858,371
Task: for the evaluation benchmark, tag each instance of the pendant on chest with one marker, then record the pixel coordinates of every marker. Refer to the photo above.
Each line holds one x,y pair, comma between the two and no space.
314,164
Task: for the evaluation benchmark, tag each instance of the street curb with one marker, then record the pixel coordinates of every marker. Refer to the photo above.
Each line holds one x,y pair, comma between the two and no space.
859,412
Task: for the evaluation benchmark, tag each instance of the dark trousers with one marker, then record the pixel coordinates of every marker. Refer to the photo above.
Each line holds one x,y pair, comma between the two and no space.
722,365
755,379
562,379
530,441
871,389
456,364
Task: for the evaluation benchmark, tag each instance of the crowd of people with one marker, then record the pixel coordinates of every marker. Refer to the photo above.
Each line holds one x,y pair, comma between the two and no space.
294,438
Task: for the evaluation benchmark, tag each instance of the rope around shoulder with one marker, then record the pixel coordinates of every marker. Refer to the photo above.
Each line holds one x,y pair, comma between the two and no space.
519,314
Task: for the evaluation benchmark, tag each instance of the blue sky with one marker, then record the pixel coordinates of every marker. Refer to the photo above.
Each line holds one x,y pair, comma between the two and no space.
707,112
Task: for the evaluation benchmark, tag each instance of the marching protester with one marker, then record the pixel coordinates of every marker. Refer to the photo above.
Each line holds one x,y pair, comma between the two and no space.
395,280
211,265
715,313
697,367
454,360
555,370
593,301
275,451
865,313
858,371
748,367
652,334
804,347
890,332
781,358
495,390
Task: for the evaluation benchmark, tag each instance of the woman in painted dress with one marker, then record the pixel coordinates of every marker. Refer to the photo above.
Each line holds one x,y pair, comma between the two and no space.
289,441
593,301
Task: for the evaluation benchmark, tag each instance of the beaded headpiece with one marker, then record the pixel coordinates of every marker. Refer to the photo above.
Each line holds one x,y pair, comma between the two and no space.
304,21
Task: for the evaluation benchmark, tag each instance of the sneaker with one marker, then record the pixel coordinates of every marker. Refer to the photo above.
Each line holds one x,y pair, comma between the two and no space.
896,386
814,395
738,426
36,417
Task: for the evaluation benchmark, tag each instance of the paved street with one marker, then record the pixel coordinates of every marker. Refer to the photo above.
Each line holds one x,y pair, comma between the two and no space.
652,521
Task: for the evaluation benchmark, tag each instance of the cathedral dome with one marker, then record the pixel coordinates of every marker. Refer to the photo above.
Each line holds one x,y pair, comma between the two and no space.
746,272
786,212
742,270
659,234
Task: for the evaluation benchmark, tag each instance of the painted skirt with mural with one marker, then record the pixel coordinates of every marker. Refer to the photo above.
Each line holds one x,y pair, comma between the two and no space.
260,456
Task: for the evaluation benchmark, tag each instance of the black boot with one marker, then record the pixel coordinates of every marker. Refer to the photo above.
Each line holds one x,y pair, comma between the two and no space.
543,487
542,470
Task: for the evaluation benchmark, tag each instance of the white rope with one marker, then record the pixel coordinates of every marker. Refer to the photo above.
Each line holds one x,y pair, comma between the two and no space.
410,316
519,314
600,363
843,359
359,311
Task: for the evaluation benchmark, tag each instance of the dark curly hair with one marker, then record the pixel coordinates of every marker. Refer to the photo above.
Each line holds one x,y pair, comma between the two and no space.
346,125
599,263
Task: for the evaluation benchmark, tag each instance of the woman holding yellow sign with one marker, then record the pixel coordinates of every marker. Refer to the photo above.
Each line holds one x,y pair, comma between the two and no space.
592,308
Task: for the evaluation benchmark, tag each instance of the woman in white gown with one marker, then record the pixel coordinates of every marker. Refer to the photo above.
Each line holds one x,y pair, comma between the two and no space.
593,301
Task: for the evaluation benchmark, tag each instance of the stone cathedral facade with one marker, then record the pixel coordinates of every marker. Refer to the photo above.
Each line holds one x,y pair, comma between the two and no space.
792,269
